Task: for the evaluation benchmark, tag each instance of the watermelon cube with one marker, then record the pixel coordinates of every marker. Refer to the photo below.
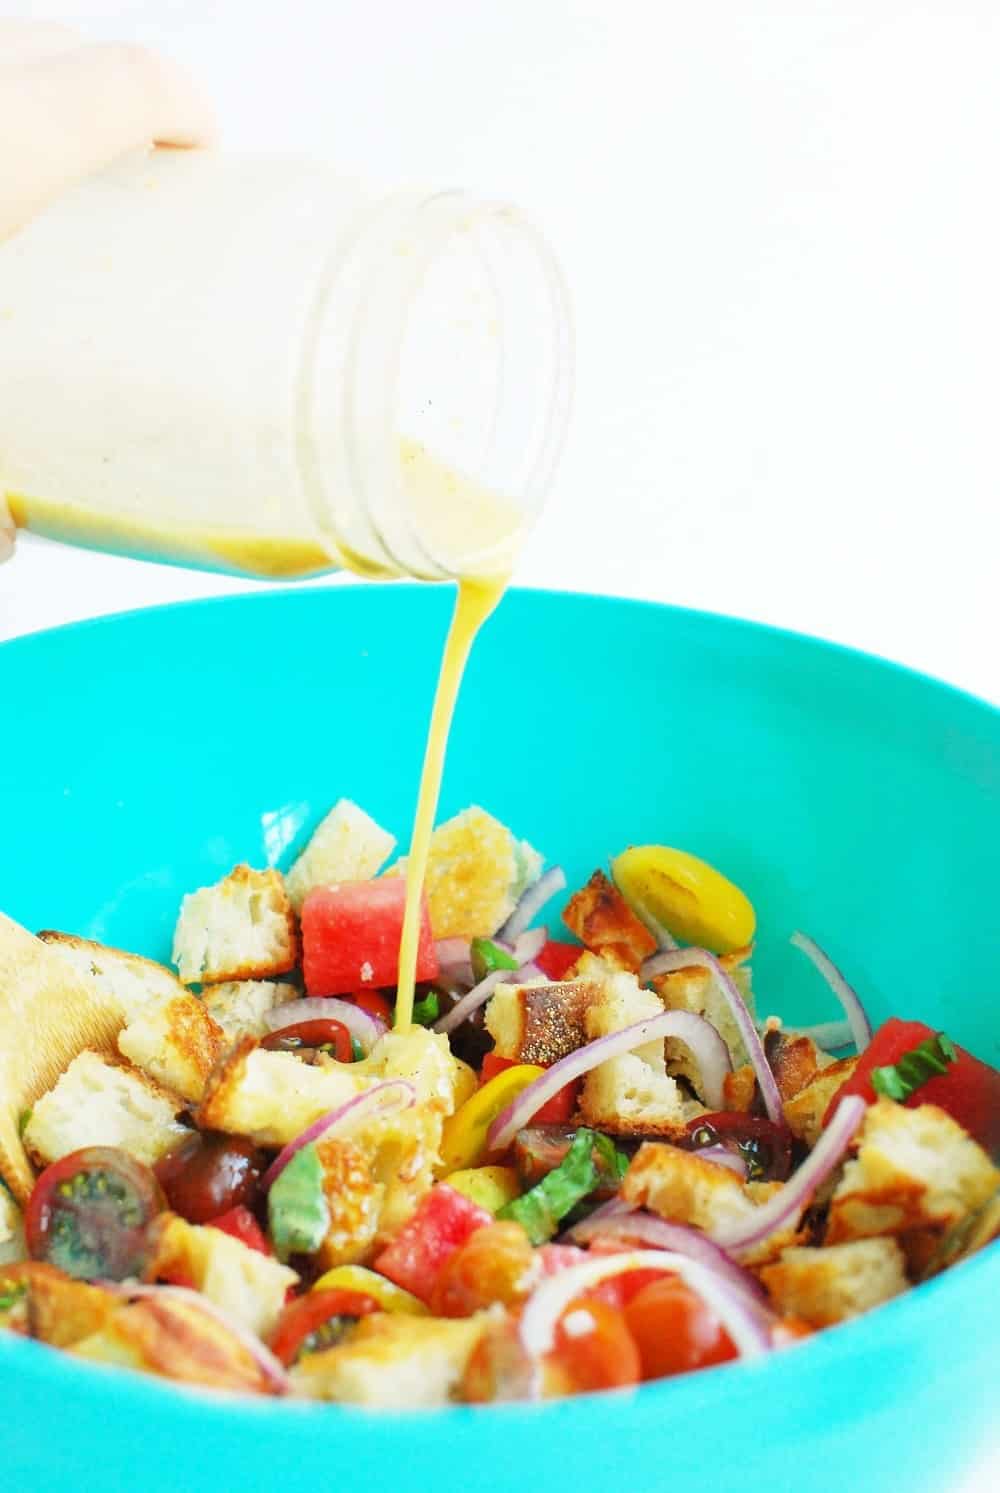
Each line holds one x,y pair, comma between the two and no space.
351,933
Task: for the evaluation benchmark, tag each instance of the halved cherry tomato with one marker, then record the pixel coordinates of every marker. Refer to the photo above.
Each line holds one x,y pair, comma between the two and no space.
556,958
317,1321
90,1212
674,1330
555,1111
594,1346
240,1224
375,1003
209,1173
496,1263
319,1033
766,1148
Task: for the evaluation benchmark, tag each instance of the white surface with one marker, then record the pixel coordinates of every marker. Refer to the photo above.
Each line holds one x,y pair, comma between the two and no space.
781,230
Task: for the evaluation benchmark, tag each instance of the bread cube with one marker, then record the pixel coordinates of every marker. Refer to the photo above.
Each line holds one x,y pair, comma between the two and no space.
346,846
243,928
100,1102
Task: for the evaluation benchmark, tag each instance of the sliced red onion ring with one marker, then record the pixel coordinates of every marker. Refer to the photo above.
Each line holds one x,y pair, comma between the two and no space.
531,972
376,1103
711,1054
528,946
273,1372
658,1233
475,998
534,899
722,1156
827,1035
453,951
360,1024
861,1027
740,1318
672,959
798,1191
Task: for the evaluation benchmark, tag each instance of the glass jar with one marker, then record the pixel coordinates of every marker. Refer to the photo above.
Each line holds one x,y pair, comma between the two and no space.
264,367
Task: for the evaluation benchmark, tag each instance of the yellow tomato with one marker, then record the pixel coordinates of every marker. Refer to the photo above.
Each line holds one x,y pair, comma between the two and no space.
492,1187
463,1141
466,1082
356,1278
686,895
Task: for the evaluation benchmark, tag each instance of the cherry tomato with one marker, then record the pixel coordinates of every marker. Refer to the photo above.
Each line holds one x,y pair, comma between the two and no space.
496,1263
90,1212
555,1111
375,1003
240,1224
674,1330
316,1321
209,1173
594,1346
557,958
498,1368
766,1148
323,1034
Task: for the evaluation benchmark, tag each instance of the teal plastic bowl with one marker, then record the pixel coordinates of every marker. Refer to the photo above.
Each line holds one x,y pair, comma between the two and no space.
146,754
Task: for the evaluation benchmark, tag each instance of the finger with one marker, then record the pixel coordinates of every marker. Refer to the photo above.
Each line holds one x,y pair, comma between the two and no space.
67,115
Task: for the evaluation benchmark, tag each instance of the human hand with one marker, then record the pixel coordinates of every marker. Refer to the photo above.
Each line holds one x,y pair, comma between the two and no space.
69,107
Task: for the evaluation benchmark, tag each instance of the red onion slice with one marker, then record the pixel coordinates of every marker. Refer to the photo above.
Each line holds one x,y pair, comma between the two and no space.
827,1035
534,899
672,959
376,1103
273,1372
528,946
475,998
722,1156
455,961
658,1233
798,1191
711,1054
359,1023
861,1027
741,1319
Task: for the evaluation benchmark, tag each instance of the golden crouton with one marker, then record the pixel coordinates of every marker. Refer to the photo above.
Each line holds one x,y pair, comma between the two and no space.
794,1061
823,1286
243,928
248,1286
915,1169
177,1340
973,1232
540,1023
102,1102
603,921
346,846
11,1229
175,1042
133,981
804,1112
354,1202
686,1188
696,989
476,872
739,1089
389,1361
273,1096
58,1309
240,1007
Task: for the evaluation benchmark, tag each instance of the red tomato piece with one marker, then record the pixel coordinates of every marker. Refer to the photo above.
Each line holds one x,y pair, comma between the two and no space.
321,1032
969,1091
594,1346
674,1330
375,1003
556,958
316,1321
241,1224
444,1220
351,934
555,1111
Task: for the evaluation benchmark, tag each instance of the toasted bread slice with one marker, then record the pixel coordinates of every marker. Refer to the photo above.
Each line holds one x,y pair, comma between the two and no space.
134,982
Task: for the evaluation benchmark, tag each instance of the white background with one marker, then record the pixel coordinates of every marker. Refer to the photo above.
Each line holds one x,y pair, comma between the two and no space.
781,232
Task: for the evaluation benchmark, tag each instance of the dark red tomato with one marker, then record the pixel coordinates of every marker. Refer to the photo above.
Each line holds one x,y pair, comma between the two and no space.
316,1321
375,1003
209,1173
240,1223
322,1034
594,1347
555,1111
766,1148
556,958
675,1331
969,1090
89,1214
351,933
443,1221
